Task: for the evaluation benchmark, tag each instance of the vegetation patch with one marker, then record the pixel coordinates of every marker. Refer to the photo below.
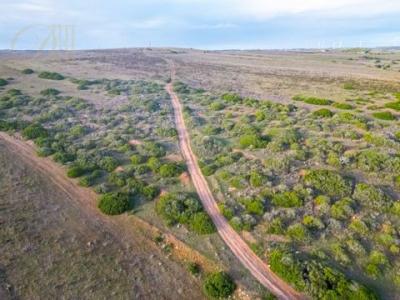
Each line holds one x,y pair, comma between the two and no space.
51,75
312,100
323,113
27,71
219,285
328,182
114,203
384,115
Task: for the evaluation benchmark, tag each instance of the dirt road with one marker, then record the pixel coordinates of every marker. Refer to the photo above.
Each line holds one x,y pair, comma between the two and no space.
240,249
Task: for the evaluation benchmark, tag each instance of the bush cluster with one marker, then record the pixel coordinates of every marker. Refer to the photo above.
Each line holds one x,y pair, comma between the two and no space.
51,75
219,285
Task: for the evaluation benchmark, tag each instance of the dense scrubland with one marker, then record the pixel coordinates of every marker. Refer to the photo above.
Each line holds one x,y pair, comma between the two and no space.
317,188
127,154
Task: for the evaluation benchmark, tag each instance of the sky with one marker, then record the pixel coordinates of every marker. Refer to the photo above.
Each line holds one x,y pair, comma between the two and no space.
202,24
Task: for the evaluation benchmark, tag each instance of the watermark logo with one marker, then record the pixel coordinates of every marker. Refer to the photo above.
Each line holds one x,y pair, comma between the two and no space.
45,37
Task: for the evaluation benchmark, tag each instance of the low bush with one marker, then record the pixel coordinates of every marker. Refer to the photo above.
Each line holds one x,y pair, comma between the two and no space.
217,106
3,82
151,149
372,197
75,171
177,207
393,105
170,169
312,100
51,75
342,209
252,140
27,71
343,106
50,92
114,203
384,115
34,131
219,285
287,199
329,183
202,224
318,280
14,92
232,98
254,206
323,113
297,232
194,268
108,163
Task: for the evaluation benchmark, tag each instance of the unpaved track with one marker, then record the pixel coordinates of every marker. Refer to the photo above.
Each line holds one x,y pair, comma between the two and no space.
239,248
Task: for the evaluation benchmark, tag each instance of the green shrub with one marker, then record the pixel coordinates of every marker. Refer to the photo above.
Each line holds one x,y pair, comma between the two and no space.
3,82
372,160
252,140
393,105
137,159
232,98
114,203
348,86
208,170
34,131
226,211
287,199
329,183
371,196
323,113
256,179
254,206
181,88
194,268
14,92
202,224
297,232
151,149
217,106
27,71
50,92
343,106
177,208
312,222
51,75
150,192
170,169
108,163
312,100
284,265
342,209
384,115
75,171
154,164
218,285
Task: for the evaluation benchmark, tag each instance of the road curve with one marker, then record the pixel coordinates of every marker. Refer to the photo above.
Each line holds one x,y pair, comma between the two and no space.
239,248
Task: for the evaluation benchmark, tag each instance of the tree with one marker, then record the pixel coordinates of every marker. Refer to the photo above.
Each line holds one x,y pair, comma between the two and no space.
114,203
219,285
